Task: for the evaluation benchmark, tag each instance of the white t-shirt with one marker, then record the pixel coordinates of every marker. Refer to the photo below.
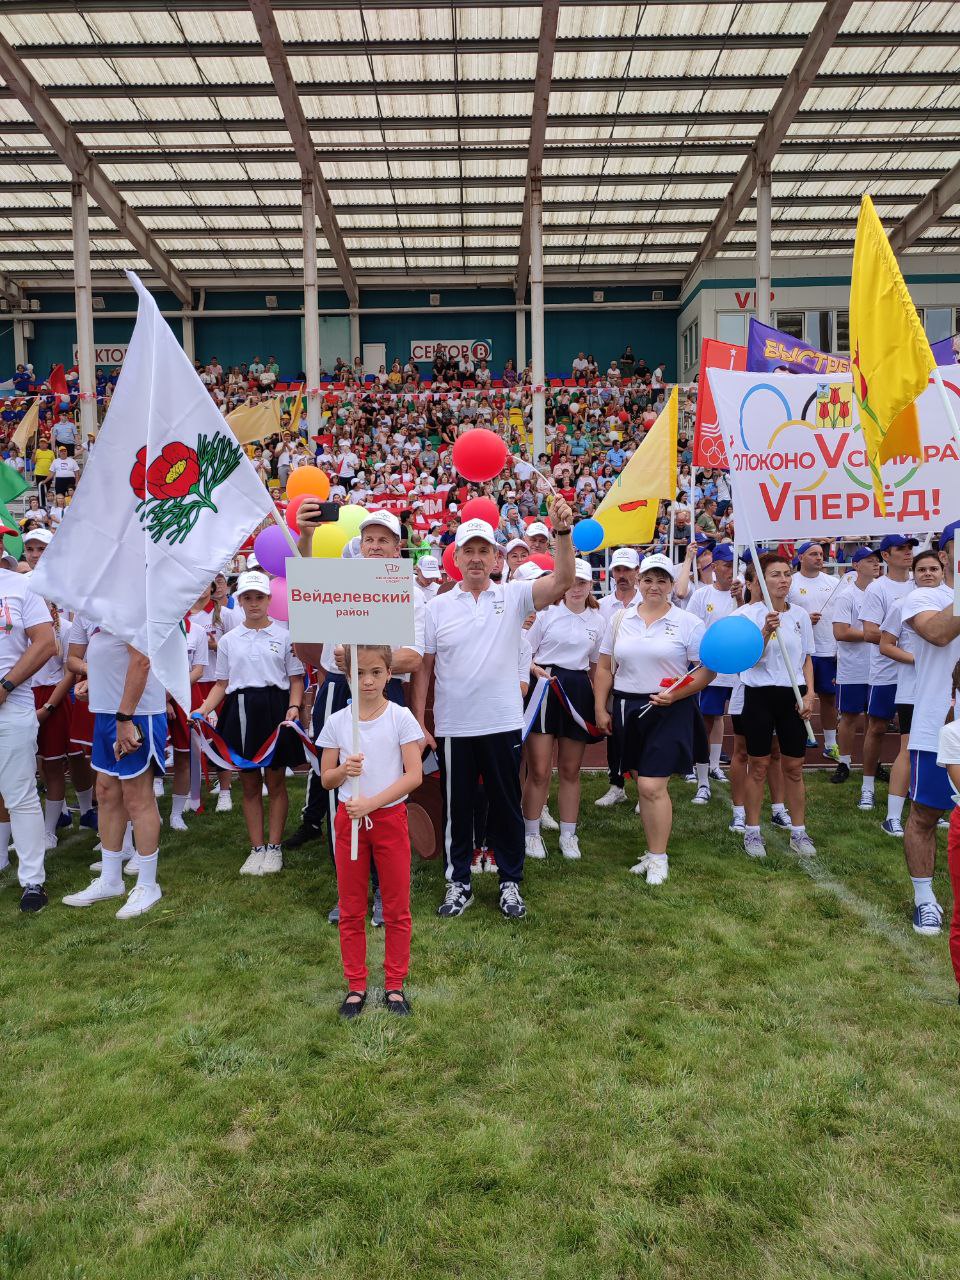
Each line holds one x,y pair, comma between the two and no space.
710,604
380,743
20,608
874,606
476,643
933,669
906,638
797,630
561,638
205,655
853,656
644,655
64,469
250,657
948,750
813,594
107,661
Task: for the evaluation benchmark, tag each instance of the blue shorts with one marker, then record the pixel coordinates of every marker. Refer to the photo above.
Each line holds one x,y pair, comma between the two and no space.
825,676
929,781
882,701
714,699
150,753
852,699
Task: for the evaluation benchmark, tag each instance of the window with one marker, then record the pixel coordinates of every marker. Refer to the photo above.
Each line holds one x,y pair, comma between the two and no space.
843,331
691,345
732,326
819,329
939,322
790,323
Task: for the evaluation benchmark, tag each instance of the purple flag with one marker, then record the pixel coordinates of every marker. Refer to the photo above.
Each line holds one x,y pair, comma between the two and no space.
945,351
769,350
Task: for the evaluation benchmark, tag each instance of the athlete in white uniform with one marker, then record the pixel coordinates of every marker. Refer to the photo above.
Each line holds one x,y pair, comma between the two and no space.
710,603
816,591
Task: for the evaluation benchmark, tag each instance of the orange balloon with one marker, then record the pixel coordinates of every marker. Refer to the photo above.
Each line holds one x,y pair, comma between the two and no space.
309,481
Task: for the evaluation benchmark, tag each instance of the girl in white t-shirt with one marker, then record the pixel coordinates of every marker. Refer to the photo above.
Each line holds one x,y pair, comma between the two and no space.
389,768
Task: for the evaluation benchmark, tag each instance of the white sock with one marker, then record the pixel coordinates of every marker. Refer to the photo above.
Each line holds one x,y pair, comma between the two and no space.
798,831
147,875
847,760
568,828
531,826
128,844
176,805
895,806
740,812
112,873
778,808
868,785
829,737
703,774
923,890
715,749
751,831
85,800
4,843
52,810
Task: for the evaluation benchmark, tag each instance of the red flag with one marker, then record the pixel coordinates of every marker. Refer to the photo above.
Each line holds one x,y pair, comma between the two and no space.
708,446
57,380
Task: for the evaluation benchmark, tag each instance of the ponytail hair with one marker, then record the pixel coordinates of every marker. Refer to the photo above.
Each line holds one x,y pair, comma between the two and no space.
954,689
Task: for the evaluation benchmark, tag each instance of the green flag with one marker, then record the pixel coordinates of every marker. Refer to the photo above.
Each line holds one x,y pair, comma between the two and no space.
12,483
12,543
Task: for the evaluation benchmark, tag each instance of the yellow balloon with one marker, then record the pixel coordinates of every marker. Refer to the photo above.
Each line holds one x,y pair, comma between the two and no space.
350,518
330,539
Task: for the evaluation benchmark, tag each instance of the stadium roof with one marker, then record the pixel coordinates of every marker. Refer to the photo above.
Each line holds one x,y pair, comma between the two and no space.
425,121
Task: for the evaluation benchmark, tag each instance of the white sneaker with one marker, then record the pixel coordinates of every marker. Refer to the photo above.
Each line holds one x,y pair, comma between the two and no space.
702,796
658,868
272,860
132,865
803,846
640,868
158,787
691,776
224,801
252,865
616,795
716,773
738,824
548,821
97,891
753,845
141,899
190,807
866,801
177,823
49,839
96,866
533,847
570,847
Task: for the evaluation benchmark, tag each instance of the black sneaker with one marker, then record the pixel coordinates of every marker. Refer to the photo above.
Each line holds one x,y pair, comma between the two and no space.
458,898
841,773
33,898
882,774
306,833
511,904
724,758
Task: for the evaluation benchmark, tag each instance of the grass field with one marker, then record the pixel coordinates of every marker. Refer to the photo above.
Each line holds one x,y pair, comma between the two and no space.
745,1073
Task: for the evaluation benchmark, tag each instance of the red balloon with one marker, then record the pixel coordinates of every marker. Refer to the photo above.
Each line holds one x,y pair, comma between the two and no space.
449,566
544,561
293,506
479,455
481,509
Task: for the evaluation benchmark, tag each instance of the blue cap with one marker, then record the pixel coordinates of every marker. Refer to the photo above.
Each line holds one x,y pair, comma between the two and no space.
803,547
703,551
949,533
861,553
723,553
898,540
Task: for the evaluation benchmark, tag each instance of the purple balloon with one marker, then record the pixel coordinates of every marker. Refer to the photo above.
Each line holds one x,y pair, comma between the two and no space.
272,550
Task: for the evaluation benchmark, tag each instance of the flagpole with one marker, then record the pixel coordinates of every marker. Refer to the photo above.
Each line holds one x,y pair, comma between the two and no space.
355,705
284,528
693,528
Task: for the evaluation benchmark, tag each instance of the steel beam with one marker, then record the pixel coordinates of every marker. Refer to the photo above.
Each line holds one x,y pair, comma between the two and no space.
928,211
83,168
288,95
83,302
771,136
542,80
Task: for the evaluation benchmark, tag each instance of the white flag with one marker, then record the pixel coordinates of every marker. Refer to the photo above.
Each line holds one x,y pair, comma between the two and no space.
165,499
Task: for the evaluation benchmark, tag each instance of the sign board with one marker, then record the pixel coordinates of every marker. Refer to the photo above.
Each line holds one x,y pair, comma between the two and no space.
798,466
424,349
432,508
352,601
110,354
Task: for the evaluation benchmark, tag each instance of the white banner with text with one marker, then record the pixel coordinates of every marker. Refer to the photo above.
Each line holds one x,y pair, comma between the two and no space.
352,601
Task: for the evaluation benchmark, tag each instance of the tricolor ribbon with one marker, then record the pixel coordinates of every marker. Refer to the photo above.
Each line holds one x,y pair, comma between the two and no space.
544,685
224,757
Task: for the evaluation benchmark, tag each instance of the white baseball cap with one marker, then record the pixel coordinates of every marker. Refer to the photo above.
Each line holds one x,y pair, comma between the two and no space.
252,561
253,582
624,558
429,566
581,570
537,529
513,544
38,535
658,561
527,572
475,529
385,518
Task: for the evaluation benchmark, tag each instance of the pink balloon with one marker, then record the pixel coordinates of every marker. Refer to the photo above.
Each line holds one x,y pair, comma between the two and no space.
278,608
272,550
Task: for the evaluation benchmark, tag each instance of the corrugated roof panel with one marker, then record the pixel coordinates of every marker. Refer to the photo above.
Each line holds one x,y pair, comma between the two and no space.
352,69
344,106
322,24
494,66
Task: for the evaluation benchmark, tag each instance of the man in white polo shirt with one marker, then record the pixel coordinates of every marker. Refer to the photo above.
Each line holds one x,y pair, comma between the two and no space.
624,570
471,646
538,538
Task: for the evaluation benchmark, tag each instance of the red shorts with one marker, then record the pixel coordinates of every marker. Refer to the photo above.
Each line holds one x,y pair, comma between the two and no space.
81,727
179,730
53,738
199,691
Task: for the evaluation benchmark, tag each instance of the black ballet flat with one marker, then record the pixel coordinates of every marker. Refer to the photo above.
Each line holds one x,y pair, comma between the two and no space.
400,1007
353,1008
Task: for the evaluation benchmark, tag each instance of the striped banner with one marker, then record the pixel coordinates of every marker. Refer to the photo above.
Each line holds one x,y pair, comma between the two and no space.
224,757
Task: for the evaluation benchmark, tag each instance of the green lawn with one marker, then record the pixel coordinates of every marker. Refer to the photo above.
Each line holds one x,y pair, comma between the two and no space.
744,1073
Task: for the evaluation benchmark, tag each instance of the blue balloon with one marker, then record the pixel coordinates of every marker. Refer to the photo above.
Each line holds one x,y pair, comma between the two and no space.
731,645
587,535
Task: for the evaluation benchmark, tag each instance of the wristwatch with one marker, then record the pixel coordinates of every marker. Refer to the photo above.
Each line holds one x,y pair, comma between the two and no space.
7,684
122,718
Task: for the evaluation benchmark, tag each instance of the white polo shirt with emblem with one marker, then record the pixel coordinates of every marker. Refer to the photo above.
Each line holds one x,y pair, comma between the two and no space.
476,643
646,655
20,609
254,658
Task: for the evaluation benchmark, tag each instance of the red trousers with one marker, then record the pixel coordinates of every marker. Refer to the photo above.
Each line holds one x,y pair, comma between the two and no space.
953,862
387,840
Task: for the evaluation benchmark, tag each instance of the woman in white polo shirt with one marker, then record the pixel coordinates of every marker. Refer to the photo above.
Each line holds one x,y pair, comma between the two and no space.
770,705
565,642
646,647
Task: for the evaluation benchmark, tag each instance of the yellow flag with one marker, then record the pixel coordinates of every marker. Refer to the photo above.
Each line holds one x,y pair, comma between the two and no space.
296,411
889,351
629,511
255,421
27,427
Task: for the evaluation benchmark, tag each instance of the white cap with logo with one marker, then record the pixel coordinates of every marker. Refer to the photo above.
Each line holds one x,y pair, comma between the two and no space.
39,535
624,558
429,566
581,570
385,518
253,581
527,571
658,561
475,529
537,530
